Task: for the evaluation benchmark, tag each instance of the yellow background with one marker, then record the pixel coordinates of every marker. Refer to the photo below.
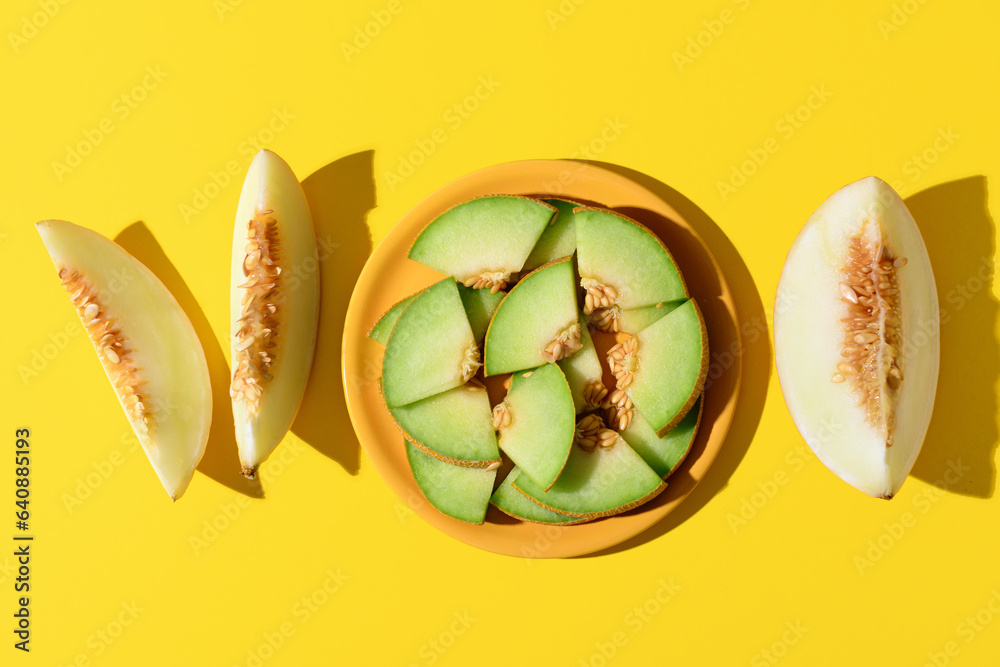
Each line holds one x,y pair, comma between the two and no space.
772,559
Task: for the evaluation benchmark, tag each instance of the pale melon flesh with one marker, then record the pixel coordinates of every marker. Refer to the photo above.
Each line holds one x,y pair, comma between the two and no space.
513,503
383,328
663,454
429,345
461,493
542,423
492,234
599,483
479,306
859,379
583,368
533,315
635,320
558,239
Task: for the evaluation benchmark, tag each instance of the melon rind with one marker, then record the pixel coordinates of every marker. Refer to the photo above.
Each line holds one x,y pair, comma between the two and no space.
383,328
461,493
808,338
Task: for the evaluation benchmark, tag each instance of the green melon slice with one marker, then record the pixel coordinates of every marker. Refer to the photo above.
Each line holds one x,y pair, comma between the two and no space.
637,319
538,312
665,454
431,348
513,503
598,483
480,304
380,332
558,239
537,422
455,426
484,240
667,367
461,493
583,372
622,264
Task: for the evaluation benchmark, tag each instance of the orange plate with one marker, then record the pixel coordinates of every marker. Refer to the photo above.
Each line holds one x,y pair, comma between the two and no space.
389,277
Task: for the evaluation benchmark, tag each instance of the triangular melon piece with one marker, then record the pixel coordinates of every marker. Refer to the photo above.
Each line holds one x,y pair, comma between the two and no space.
381,330
597,483
537,421
484,240
558,239
431,348
461,493
583,372
665,454
513,503
663,368
622,265
455,426
480,304
635,320
536,322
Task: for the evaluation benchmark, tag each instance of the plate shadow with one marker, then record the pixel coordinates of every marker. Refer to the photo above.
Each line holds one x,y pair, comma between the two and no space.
340,196
221,461
753,352
961,442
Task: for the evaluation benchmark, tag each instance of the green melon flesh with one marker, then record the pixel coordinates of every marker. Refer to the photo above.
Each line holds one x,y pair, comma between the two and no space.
480,304
486,234
514,503
558,239
617,251
461,493
543,424
380,332
426,351
637,319
582,368
532,315
603,482
672,366
664,454
455,426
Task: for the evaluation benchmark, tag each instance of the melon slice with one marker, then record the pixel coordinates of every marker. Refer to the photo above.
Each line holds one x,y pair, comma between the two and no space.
856,336
536,323
381,329
584,373
146,344
637,319
536,421
273,314
461,493
663,454
622,266
431,348
558,239
455,426
662,369
484,240
604,481
513,503
480,304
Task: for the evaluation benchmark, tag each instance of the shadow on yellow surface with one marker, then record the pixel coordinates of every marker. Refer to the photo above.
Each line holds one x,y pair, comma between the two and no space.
340,196
754,352
221,461
961,442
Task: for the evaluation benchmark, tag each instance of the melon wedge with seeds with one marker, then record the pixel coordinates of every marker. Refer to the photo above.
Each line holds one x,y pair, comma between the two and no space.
663,454
380,330
483,241
146,344
558,239
480,304
663,368
584,373
856,336
455,426
536,323
274,307
431,349
536,422
461,493
598,483
622,265
513,503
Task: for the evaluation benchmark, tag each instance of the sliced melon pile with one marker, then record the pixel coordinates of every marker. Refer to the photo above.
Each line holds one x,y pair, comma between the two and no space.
535,289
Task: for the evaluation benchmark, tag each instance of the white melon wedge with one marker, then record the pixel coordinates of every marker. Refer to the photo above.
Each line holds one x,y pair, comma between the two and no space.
856,336
515,504
146,344
461,493
274,307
